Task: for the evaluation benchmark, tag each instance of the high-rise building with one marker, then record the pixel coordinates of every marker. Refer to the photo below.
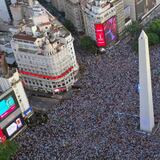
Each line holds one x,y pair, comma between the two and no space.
10,9
103,20
10,79
96,12
14,105
120,15
138,8
73,13
4,11
44,52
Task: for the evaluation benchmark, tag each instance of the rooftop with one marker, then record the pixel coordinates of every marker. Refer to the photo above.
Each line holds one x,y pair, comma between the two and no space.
24,37
44,26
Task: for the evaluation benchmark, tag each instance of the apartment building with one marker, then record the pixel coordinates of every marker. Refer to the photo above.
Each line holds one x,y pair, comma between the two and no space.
138,8
44,52
100,21
5,15
9,79
73,13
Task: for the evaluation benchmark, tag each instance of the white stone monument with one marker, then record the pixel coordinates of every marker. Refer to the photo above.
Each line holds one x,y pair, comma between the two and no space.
146,102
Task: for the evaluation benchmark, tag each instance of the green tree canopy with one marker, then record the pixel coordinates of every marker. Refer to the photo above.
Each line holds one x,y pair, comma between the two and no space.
88,44
8,149
154,27
134,29
69,25
153,38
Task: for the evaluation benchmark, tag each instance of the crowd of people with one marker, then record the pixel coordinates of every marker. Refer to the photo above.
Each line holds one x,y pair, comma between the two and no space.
101,121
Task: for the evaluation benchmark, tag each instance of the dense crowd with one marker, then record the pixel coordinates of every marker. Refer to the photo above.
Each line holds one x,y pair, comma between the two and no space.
101,121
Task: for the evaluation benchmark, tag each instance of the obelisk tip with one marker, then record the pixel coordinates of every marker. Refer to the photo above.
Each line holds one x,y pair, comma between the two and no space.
143,35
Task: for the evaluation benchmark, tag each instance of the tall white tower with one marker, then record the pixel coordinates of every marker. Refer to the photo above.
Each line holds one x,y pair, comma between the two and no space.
146,102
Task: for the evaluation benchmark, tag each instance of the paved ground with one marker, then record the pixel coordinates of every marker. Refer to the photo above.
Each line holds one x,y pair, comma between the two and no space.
102,120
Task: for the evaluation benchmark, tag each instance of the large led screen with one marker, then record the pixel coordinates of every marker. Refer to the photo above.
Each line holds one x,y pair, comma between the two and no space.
100,37
15,126
7,105
110,30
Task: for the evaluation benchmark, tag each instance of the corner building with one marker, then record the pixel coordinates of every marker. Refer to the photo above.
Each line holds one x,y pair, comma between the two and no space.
44,52
103,20
138,8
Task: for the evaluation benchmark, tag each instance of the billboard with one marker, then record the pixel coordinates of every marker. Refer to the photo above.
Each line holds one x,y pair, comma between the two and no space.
2,136
13,127
8,104
110,30
106,32
100,37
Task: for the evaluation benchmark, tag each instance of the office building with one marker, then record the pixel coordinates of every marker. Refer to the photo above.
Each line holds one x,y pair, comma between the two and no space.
44,52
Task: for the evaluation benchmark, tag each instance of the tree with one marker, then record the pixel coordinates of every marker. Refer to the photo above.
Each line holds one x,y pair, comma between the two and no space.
134,29
69,25
88,44
8,149
134,46
153,38
154,27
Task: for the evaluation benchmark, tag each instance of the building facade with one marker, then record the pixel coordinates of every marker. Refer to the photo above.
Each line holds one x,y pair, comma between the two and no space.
73,13
10,80
4,11
138,8
11,120
120,15
100,21
59,5
45,54
14,105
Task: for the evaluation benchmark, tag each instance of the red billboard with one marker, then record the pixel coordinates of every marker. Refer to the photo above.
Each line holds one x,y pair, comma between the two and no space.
2,136
106,32
8,104
110,30
100,37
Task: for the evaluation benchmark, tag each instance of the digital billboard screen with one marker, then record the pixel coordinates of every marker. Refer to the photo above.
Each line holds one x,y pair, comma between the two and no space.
2,136
8,104
15,126
100,37
110,30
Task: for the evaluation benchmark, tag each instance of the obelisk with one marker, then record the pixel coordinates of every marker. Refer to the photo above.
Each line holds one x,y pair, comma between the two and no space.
146,101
